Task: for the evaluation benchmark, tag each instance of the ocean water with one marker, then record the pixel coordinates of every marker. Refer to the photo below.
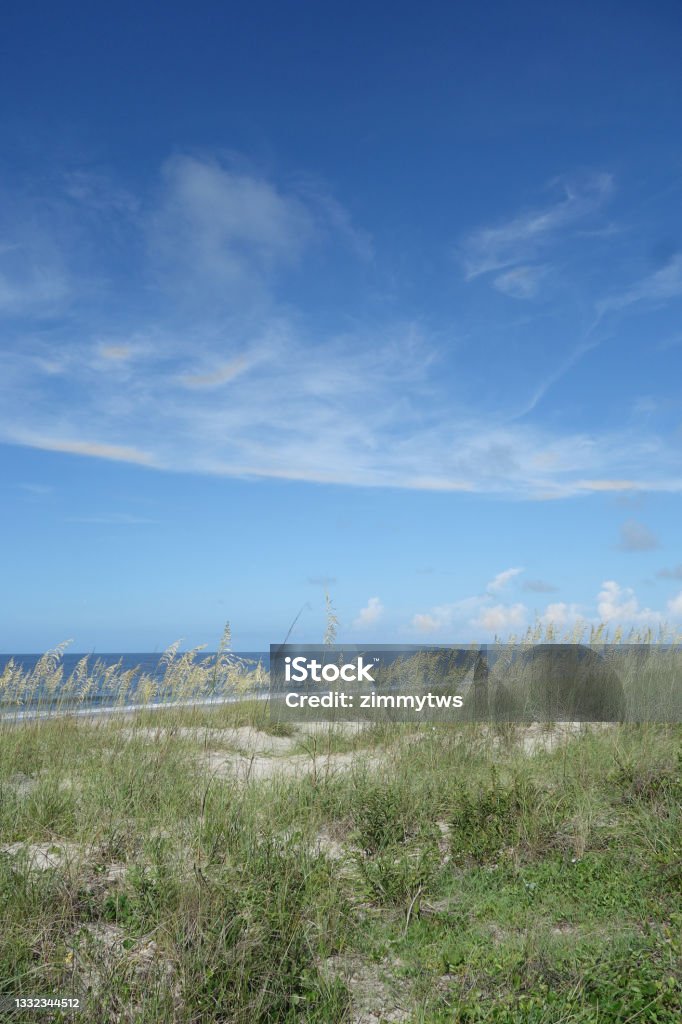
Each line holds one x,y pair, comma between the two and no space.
101,696
148,663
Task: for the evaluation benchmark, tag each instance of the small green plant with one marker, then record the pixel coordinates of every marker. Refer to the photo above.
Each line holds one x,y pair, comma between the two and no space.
492,819
381,820
399,875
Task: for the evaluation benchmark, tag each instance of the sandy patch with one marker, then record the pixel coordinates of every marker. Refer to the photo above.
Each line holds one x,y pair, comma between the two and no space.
377,996
103,952
245,738
540,737
44,856
296,766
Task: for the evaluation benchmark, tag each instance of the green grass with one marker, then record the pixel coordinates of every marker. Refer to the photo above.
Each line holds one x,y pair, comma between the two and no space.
444,876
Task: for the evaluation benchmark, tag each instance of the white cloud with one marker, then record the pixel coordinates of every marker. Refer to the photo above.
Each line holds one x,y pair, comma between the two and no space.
494,248
500,617
425,623
664,284
227,386
221,374
477,612
220,233
619,605
370,614
376,415
502,579
445,618
335,216
520,282
93,449
468,619
561,614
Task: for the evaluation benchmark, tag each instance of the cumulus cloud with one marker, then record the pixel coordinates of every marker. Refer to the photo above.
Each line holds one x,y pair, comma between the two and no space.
561,614
502,617
476,618
620,606
478,613
444,618
370,614
426,623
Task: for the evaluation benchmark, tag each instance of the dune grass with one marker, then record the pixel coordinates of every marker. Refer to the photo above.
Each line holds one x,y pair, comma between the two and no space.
386,873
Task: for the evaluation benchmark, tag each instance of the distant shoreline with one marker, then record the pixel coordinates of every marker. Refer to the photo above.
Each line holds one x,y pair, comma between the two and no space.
113,709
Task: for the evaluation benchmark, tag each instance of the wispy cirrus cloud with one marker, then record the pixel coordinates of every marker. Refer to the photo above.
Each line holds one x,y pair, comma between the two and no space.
521,282
376,415
222,374
33,276
36,490
608,485
519,240
239,383
661,286
92,449
500,581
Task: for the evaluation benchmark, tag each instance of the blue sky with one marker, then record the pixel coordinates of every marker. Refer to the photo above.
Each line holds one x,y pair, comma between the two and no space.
359,298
